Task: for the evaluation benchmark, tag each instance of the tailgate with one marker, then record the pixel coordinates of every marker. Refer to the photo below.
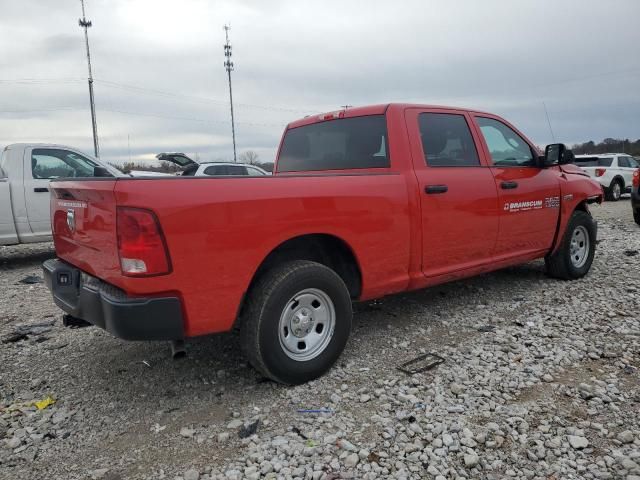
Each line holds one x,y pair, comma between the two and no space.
83,217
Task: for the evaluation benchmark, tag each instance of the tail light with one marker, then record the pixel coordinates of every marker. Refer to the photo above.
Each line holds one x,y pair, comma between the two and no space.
600,171
141,244
636,178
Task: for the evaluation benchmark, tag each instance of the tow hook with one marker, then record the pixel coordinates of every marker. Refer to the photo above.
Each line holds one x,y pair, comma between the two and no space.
73,322
178,349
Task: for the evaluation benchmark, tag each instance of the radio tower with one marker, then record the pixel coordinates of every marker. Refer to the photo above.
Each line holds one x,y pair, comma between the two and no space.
84,23
228,65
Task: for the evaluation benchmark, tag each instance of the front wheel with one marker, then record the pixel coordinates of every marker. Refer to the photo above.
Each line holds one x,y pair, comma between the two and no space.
575,254
614,191
636,215
296,322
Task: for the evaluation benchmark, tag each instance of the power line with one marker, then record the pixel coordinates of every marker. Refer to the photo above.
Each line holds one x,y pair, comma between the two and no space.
228,66
84,23
161,93
143,114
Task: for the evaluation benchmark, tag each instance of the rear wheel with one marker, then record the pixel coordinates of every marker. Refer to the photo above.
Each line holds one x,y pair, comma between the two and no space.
636,215
296,322
615,191
575,254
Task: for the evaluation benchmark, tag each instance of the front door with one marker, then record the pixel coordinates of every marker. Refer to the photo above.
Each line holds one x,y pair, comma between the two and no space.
458,197
529,196
45,165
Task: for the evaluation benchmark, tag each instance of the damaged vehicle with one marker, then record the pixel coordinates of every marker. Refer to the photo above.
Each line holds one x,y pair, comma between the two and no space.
363,203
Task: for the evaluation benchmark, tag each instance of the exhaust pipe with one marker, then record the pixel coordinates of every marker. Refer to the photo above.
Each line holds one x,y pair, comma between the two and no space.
177,349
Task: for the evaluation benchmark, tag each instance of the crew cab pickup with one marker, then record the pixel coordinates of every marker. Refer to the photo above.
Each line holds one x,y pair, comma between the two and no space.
25,172
364,203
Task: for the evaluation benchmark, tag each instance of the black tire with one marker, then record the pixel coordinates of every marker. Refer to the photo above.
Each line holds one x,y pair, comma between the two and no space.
266,302
614,192
560,264
636,215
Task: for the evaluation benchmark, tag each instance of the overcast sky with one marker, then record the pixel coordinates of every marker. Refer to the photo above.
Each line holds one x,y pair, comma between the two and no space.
160,80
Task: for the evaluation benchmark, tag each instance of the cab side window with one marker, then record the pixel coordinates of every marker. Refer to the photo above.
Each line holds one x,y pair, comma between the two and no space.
47,163
507,148
447,140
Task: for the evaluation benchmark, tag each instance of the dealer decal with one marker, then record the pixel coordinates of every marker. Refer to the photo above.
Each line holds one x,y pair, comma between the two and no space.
549,202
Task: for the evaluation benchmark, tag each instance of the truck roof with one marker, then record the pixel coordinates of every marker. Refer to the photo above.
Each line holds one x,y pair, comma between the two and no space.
36,144
378,109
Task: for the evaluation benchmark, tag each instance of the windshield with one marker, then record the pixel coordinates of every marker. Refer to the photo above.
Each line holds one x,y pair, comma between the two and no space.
593,162
359,142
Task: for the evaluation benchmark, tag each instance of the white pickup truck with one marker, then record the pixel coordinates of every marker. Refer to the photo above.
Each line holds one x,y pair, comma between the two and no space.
25,172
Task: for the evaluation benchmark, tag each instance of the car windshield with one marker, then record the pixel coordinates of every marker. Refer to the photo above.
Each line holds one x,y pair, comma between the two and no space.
593,162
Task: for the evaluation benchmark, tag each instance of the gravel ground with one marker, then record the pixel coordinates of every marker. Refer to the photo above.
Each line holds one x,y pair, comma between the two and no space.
540,380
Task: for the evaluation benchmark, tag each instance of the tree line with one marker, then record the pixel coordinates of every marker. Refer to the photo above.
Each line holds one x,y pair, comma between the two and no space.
608,145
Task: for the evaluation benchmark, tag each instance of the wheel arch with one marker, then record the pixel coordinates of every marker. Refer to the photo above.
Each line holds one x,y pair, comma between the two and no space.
326,249
618,178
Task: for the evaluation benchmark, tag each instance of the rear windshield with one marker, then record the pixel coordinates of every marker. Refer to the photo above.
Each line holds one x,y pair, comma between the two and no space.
359,142
593,162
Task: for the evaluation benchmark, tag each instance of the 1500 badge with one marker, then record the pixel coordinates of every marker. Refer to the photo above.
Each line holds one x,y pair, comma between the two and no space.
549,202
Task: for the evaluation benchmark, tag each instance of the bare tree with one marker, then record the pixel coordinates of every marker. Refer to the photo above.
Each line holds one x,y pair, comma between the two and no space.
249,157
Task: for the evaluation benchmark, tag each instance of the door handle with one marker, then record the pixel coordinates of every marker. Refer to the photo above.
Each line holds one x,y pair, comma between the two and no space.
40,189
508,185
435,189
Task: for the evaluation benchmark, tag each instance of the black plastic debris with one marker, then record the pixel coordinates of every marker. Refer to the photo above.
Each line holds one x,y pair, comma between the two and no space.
249,430
23,332
31,280
631,253
297,431
487,328
421,364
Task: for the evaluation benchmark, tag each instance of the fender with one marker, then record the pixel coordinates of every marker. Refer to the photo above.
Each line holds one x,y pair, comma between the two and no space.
576,193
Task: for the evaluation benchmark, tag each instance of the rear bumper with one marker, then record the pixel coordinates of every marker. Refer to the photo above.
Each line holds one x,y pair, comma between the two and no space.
105,306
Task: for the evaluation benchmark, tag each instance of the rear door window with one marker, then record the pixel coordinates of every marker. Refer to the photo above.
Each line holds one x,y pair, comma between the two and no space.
506,147
447,140
236,170
624,162
347,143
216,170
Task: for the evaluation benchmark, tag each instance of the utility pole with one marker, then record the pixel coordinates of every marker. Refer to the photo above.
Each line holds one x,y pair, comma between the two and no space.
84,23
346,107
228,65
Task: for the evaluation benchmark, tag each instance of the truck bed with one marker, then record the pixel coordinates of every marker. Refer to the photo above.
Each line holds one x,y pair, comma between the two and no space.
219,230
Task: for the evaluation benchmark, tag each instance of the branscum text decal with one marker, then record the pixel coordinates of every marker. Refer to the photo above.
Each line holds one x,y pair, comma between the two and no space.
549,202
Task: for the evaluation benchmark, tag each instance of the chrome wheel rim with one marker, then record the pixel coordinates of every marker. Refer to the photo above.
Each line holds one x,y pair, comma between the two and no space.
579,247
617,191
307,324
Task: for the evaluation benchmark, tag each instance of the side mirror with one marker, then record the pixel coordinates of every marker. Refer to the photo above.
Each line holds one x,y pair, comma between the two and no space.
557,154
99,171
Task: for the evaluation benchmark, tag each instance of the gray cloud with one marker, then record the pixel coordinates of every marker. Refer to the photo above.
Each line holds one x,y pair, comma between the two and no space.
160,79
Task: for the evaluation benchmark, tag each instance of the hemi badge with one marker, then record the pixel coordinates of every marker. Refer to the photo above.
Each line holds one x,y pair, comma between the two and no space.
568,197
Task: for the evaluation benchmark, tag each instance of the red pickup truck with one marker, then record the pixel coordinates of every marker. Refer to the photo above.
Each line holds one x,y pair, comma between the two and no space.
363,203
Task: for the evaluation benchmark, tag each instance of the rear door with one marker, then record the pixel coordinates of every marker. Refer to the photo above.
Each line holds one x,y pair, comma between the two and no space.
458,195
529,196
627,166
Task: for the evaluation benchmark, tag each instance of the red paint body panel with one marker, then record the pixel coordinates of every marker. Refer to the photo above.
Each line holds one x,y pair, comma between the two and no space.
219,230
